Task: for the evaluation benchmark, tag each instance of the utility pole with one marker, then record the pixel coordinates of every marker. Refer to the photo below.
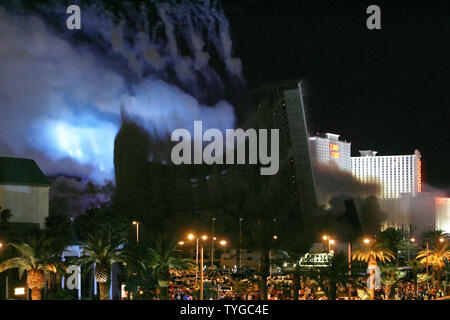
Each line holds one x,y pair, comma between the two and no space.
212,242
349,250
201,272
240,242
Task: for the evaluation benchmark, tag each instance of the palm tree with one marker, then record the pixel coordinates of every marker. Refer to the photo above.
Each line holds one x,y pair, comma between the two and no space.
434,235
161,259
262,239
102,249
436,257
393,239
415,268
297,243
336,273
371,253
37,256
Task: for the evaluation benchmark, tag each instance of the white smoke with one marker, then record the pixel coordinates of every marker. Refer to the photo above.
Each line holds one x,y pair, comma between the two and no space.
60,102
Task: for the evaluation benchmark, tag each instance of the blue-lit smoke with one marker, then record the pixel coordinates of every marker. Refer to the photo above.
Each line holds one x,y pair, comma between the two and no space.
60,100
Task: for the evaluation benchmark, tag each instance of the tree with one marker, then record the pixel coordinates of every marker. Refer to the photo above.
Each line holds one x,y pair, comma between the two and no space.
160,259
36,256
415,268
59,226
371,253
393,239
298,241
391,275
262,239
437,256
102,248
434,235
335,274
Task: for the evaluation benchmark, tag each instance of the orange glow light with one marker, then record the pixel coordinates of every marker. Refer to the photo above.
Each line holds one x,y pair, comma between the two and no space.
419,176
335,154
334,147
442,200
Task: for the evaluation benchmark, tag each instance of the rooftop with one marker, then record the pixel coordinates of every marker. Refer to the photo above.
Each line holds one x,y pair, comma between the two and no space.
17,171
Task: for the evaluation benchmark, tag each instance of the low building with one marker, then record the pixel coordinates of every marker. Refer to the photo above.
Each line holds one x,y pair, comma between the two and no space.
249,259
24,190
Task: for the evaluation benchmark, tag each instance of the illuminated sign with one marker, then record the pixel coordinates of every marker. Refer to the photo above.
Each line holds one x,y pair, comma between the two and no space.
334,146
335,154
316,260
419,176
19,291
443,201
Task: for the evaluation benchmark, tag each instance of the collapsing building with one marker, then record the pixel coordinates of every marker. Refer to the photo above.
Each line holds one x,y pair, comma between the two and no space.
285,102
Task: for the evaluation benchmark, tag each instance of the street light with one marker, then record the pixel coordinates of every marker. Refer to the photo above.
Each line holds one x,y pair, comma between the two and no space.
330,242
441,239
240,242
412,240
136,223
213,238
203,238
366,241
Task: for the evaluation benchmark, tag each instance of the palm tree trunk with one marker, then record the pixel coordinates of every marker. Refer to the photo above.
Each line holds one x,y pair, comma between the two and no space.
332,290
164,293
388,293
264,274
104,294
36,294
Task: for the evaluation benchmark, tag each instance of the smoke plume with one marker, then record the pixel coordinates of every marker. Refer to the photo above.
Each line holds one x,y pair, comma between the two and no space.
61,91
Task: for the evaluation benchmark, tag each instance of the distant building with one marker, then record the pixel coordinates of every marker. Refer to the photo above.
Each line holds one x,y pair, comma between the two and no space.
328,149
24,190
422,213
249,259
396,175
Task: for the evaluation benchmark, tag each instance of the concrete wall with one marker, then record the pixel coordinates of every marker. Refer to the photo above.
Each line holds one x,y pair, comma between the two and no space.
28,204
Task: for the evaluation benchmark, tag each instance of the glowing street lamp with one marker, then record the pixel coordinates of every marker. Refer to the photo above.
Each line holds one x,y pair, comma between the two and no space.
329,240
136,223
366,240
441,239
203,238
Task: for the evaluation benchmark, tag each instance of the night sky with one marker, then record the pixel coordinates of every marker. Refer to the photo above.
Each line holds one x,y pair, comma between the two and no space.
385,90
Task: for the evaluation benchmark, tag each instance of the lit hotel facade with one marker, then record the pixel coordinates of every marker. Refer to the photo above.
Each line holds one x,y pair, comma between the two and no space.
328,149
396,175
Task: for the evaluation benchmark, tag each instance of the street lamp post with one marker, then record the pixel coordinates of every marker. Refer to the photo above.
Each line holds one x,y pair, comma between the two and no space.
240,242
330,242
212,242
349,253
204,238
412,240
136,223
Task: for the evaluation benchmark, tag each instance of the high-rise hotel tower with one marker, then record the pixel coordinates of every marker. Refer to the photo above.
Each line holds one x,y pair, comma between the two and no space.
396,175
